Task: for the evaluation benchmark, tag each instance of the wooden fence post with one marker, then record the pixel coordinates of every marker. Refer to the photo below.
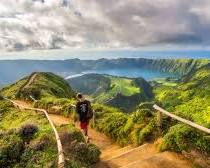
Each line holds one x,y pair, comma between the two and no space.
188,122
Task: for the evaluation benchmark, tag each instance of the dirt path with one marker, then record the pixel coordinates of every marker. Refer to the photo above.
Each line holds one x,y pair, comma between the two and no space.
22,103
113,156
102,141
30,81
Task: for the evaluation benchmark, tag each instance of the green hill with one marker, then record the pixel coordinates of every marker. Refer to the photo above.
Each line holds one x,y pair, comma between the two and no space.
43,85
120,92
26,137
189,98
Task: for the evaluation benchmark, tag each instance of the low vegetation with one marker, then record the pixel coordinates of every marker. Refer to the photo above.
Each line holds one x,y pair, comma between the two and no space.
26,139
57,105
188,99
135,128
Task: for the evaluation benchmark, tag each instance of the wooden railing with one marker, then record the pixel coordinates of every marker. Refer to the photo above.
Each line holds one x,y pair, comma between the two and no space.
61,159
161,111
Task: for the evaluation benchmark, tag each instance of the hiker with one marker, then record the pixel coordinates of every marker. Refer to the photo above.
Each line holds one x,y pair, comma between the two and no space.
84,109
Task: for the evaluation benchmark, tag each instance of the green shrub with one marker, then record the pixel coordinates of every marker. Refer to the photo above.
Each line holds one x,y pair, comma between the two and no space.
42,143
135,133
11,148
149,132
64,106
69,134
141,115
85,153
27,132
184,138
133,128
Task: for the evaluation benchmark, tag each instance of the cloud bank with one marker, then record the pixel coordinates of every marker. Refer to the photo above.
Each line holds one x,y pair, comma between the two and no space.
106,24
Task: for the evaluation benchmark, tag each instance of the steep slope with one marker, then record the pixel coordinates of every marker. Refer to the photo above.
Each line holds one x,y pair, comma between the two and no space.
189,99
177,66
90,84
39,85
124,93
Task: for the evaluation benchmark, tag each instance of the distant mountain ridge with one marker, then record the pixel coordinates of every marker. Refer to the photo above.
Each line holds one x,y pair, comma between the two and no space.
12,70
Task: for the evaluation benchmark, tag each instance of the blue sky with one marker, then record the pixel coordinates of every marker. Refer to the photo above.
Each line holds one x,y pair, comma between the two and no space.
32,28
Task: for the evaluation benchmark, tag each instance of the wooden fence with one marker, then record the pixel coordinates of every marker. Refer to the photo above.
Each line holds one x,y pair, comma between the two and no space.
61,159
161,111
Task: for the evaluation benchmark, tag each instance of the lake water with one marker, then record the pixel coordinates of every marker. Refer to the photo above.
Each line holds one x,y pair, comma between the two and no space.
131,73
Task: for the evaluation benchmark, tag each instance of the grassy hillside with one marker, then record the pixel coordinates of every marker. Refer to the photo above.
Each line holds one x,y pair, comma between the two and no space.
124,93
90,84
44,84
134,128
26,137
189,99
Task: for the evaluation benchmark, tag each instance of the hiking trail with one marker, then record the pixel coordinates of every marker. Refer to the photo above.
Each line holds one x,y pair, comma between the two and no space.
31,80
114,156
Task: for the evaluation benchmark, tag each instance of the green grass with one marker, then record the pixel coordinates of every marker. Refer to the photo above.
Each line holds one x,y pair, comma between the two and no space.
123,86
190,100
41,150
118,85
11,91
54,105
11,121
44,84
125,129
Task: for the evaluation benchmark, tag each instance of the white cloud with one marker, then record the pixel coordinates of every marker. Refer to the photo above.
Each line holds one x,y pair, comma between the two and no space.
31,24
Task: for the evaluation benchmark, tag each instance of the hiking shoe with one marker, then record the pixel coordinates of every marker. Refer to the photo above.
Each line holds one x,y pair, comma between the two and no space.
88,139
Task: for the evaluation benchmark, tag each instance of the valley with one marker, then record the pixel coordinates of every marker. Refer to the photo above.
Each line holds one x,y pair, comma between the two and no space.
123,114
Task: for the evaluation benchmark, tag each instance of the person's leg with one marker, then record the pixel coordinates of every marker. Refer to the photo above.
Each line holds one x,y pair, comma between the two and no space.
86,132
84,127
